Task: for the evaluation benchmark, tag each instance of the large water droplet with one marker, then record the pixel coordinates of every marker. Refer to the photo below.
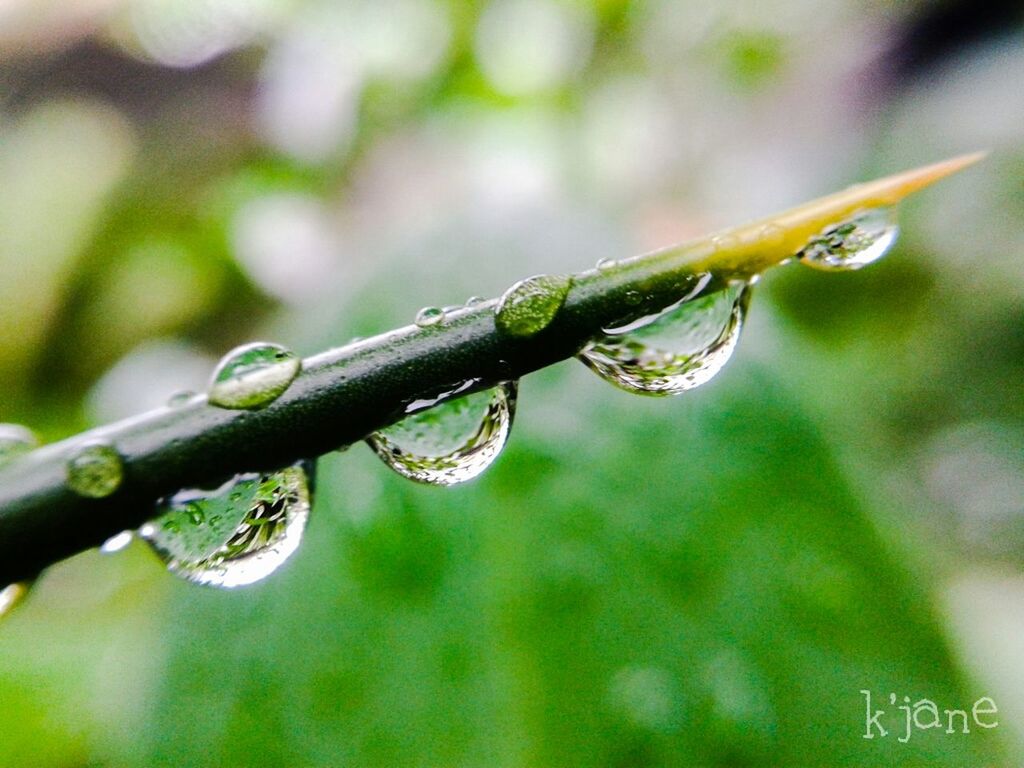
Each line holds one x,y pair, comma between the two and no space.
11,595
95,471
14,441
253,376
854,243
530,305
451,441
234,535
677,349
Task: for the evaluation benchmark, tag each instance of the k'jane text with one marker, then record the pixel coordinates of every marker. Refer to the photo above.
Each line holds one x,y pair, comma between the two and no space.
923,715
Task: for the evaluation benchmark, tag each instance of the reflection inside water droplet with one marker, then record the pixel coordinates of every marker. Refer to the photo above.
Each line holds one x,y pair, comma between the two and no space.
234,535
451,439
675,350
253,376
854,243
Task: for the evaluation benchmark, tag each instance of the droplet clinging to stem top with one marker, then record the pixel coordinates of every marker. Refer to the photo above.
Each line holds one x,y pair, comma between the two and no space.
253,375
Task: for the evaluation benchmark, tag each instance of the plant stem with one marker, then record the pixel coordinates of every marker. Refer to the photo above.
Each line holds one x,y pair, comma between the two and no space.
344,394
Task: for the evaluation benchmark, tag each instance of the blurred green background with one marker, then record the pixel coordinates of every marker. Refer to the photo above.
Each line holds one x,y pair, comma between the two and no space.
702,580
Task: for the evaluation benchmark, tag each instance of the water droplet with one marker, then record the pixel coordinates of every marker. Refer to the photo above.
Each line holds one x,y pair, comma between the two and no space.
475,301
14,441
854,243
530,305
95,471
429,316
178,399
725,242
451,441
253,376
772,234
116,543
603,264
677,349
234,535
12,595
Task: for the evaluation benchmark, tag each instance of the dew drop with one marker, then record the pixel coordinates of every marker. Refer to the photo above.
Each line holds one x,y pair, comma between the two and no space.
116,543
605,264
253,376
95,471
451,441
475,301
14,441
12,595
675,350
530,305
178,399
772,235
725,242
854,243
237,534
429,316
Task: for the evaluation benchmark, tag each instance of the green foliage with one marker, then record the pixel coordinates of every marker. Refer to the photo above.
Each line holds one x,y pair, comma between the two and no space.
709,580
671,583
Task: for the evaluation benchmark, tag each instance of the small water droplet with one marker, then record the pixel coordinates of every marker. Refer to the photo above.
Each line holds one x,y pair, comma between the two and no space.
530,305
854,243
178,399
12,595
253,376
429,316
95,471
452,441
236,534
475,301
772,235
725,242
675,350
116,543
603,264
14,441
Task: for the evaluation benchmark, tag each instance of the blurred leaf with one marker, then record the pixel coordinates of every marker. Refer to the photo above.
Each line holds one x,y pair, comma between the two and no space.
675,583
58,165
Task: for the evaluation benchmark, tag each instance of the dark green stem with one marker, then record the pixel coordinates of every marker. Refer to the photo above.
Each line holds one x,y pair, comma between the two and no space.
340,397
344,394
